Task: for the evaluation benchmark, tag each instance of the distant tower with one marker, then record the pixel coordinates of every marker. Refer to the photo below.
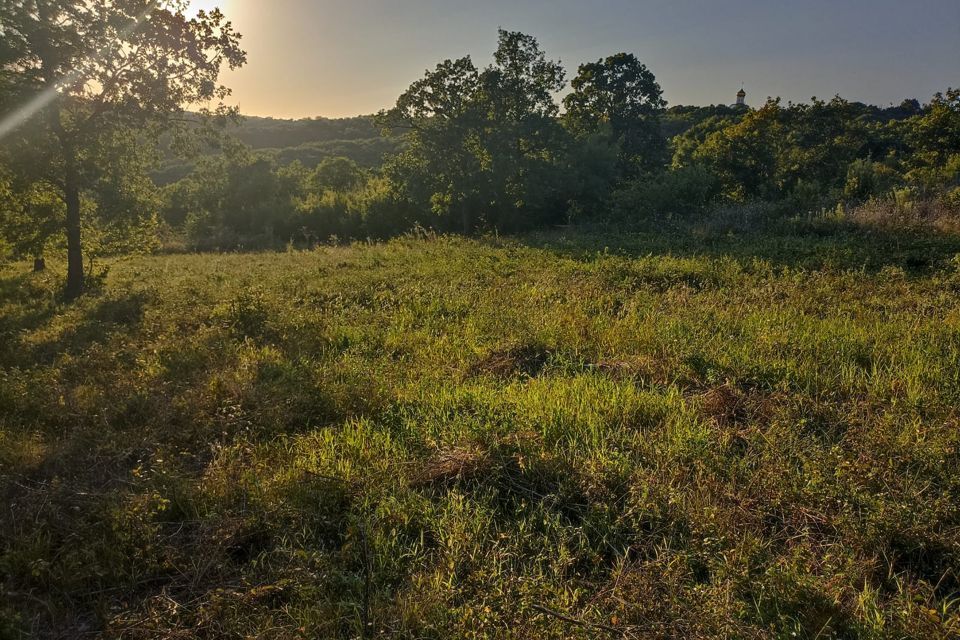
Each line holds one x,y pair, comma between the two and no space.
741,98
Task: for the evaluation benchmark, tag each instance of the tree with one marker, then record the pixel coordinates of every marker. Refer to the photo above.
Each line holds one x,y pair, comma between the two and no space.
744,155
525,147
821,140
934,139
337,174
238,198
29,215
440,166
483,146
521,83
621,93
82,70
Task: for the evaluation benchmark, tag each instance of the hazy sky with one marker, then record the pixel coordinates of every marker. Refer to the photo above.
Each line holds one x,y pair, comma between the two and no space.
338,57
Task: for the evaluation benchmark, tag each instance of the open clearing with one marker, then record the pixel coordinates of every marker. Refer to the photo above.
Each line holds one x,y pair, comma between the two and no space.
679,434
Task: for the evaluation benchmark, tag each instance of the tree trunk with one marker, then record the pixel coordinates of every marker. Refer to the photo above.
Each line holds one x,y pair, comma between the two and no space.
465,218
39,264
74,251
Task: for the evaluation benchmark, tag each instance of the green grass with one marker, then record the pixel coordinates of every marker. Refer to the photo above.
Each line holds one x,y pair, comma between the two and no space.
685,434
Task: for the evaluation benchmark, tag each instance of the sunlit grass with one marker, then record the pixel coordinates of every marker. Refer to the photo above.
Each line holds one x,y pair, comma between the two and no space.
669,435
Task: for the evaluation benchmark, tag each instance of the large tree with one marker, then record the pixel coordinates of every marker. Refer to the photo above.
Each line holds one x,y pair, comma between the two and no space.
75,72
525,144
442,120
934,139
621,94
483,145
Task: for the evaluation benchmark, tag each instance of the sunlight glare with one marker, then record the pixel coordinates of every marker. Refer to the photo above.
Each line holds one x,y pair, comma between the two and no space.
206,5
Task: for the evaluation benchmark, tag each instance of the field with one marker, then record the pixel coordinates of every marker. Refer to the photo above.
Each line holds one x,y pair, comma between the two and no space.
686,432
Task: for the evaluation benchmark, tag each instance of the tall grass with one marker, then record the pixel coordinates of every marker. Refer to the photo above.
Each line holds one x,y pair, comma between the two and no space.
699,433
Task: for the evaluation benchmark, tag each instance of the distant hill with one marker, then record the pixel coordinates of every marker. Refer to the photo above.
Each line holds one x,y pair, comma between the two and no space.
276,133
307,140
311,140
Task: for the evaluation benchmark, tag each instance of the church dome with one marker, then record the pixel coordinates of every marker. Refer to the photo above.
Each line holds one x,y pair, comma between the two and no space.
741,98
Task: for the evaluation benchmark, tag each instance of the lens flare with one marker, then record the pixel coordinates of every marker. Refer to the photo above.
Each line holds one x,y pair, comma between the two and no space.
19,116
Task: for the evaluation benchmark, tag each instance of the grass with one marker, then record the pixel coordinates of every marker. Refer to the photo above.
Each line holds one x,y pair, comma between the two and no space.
691,433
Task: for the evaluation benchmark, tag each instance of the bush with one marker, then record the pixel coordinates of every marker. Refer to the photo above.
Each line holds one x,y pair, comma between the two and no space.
321,215
868,179
383,209
952,198
808,197
684,192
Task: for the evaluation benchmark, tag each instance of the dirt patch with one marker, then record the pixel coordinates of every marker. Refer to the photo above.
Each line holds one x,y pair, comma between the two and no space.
451,465
524,360
725,405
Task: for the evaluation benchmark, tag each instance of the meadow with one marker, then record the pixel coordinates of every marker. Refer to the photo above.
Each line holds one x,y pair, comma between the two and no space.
690,431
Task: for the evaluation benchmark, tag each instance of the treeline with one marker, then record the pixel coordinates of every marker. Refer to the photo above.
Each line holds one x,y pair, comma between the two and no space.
492,148
468,149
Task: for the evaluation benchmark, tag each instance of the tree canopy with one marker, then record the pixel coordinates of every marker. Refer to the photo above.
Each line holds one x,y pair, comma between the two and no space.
621,93
81,72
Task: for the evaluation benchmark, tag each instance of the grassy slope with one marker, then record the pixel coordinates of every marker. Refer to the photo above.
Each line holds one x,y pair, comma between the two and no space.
687,435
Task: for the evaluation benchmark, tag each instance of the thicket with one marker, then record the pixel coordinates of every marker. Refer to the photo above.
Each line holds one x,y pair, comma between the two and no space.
491,149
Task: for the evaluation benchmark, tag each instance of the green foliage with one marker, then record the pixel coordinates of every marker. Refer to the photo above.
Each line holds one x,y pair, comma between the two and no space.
811,154
337,174
683,192
82,81
686,144
470,162
470,149
868,179
245,200
934,138
591,173
29,218
484,148
308,141
274,133
744,155
619,92
679,119
234,200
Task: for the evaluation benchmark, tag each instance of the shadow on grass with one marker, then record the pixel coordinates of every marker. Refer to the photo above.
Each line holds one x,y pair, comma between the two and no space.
28,303
794,244
95,325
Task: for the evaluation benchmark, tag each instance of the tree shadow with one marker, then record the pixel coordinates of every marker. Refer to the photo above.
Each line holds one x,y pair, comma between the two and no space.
103,318
808,245
26,305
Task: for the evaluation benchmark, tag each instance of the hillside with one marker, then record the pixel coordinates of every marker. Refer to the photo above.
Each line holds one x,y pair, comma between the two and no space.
308,141
701,433
277,133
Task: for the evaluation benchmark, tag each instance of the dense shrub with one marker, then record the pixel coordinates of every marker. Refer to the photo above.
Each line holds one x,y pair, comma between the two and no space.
684,192
868,179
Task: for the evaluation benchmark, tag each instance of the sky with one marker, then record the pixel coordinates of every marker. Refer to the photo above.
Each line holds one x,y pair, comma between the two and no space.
336,58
